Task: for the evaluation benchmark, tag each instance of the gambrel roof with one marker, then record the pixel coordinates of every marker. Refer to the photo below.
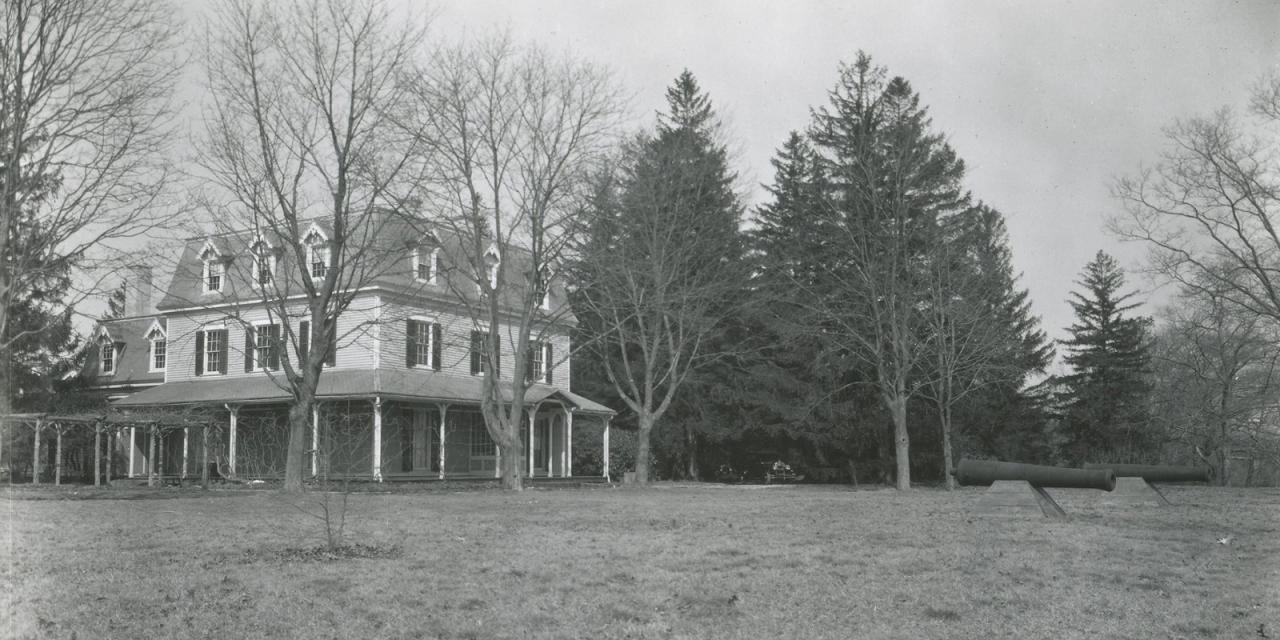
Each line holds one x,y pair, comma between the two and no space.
390,258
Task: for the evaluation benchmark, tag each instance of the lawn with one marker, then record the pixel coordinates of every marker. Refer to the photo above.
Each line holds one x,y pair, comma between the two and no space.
791,562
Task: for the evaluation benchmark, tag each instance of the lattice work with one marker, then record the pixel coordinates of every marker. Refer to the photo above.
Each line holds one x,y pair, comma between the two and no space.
346,440
262,440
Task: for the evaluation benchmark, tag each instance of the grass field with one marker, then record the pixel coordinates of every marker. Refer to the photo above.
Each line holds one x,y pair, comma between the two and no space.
664,562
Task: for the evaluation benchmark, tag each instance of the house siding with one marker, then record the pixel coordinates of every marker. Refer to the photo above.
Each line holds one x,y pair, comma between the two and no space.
357,343
455,352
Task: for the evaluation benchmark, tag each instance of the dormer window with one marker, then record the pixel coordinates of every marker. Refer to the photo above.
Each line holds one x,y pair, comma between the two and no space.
107,355
426,265
213,270
544,285
492,262
158,357
318,255
264,263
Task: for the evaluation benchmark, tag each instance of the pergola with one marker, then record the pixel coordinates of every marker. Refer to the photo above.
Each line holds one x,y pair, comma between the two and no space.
112,423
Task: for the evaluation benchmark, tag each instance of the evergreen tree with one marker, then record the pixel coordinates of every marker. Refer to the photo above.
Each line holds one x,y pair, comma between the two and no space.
891,179
663,270
1106,404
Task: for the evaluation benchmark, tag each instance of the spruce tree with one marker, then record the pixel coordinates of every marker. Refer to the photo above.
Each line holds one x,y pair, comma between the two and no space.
663,268
1106,404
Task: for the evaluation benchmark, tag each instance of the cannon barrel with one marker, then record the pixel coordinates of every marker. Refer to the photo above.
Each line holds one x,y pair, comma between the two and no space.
1154,472
985,472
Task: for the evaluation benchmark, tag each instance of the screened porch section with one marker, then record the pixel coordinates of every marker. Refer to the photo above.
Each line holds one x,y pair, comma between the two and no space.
367,440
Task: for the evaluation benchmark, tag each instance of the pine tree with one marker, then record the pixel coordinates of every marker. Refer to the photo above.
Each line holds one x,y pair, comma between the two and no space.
1106,405
661,285
891,178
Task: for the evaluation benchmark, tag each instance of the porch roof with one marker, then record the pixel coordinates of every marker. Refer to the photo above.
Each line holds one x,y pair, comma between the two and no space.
420,385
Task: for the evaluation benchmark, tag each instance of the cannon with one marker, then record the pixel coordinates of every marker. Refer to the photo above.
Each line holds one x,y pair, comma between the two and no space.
1154,473
985,472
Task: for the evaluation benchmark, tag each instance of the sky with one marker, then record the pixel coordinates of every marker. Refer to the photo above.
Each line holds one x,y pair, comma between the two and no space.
1048,103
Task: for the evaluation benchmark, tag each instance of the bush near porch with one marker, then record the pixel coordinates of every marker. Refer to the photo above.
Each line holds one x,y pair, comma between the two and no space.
682,561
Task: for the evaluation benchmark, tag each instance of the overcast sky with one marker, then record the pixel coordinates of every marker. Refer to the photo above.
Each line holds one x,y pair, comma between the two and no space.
1046,102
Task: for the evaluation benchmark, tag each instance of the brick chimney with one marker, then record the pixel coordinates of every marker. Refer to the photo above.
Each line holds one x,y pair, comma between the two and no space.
138,293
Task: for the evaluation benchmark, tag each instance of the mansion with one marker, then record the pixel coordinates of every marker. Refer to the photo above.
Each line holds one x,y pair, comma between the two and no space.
399,396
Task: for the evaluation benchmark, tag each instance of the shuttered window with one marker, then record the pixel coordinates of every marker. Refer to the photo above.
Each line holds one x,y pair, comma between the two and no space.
422,344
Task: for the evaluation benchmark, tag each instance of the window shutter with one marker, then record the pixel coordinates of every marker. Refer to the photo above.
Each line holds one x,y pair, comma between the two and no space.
199,352
250,349
475,352
331,331
410,343
547,361
435,346
304,339
529,374
273,362
222,364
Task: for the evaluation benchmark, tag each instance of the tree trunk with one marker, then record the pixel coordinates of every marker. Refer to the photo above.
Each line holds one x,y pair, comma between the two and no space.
645,422
947,463
691,451
512,459
299,425
901,442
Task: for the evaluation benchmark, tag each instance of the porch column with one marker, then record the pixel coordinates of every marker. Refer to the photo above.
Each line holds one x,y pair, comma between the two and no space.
568,443
113,443
186,448
606,447
497,460
204,455
533,414
133,439
315,440
377,438
57,455
35,453
160,458
97,453
151,459
444,409
231,439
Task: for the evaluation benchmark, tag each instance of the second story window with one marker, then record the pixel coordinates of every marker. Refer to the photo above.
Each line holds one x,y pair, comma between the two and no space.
107,353
261,348
158,354
479,352
540,362
422,344
211,352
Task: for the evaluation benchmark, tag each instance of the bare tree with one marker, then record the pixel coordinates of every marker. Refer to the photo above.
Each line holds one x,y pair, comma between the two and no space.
509,135
1208,210
303,150
85,91
1216,374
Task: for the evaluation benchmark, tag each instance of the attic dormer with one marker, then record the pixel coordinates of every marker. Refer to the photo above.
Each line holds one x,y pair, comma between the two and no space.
319,255
214,268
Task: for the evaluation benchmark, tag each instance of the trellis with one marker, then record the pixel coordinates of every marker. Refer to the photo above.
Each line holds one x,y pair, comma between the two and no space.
111,424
